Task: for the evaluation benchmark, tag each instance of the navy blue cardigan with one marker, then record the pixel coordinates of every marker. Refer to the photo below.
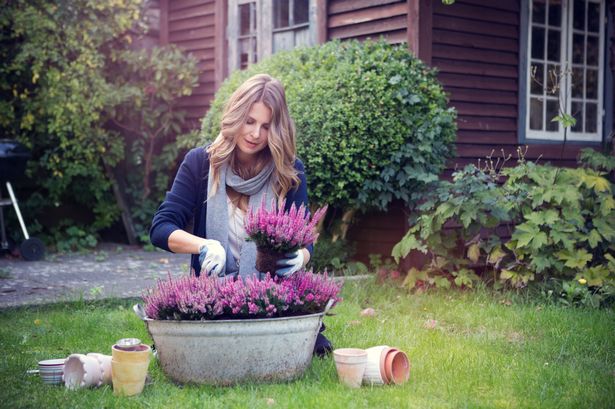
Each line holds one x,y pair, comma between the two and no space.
185,202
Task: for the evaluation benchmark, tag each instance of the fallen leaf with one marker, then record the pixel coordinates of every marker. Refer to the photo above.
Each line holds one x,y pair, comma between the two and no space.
368,312
164,261
354,322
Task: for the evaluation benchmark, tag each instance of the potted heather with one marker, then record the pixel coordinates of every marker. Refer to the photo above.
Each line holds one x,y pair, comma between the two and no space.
223,332
277,232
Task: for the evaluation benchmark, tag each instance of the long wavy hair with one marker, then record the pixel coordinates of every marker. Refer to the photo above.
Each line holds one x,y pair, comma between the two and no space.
281,137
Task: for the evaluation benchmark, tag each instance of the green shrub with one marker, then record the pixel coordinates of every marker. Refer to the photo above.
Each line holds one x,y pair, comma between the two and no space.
75,93
331,255
372,121
147,85
561,224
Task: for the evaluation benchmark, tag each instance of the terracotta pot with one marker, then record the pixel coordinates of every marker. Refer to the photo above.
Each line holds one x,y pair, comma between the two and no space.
266,260
397,366
82,371
350,364
375,373
129,369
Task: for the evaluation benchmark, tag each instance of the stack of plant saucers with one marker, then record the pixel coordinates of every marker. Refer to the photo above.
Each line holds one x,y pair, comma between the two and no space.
51,371
386,365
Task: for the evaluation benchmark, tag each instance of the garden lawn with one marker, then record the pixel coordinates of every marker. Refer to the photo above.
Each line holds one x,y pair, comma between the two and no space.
468,349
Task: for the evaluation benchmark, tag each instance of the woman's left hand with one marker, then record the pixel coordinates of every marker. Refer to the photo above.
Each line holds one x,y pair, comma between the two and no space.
292,263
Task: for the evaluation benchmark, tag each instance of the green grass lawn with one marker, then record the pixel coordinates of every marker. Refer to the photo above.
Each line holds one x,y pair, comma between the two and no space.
483,350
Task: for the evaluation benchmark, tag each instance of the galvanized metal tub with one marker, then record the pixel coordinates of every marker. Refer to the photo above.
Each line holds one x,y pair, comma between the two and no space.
228,352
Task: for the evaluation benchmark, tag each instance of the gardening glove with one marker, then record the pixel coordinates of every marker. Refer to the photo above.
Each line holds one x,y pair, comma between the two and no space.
290,264
212,258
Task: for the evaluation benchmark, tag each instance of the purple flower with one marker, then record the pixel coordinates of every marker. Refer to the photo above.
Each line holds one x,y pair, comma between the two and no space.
208,298
280,230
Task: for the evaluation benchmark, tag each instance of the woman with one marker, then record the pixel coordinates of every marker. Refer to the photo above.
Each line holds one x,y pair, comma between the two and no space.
253,158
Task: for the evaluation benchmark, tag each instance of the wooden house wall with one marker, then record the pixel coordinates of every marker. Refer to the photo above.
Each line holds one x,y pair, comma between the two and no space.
191,24
360,19
475,46
473,43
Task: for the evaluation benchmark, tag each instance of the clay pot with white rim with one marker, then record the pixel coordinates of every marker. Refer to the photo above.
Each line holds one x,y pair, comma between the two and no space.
82,371
350,364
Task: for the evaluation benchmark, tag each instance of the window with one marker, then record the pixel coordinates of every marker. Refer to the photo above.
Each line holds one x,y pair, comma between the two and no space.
565,46
259,28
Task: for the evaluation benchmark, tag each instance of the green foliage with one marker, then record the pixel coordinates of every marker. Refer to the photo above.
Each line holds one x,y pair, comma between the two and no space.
72,238
576,293
331,255
372,121
67,72
561,224
53,91
596,160
147,85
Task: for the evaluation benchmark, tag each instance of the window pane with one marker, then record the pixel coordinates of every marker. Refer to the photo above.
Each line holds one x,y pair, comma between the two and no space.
591,86
553,45
578,49
552,112
593,17
555,14
244,19
592,50
536,114
538,79
538,43
538,11
244,53
577,82
280,13
301,11
254,52
578,19
591,116
553,79
577,113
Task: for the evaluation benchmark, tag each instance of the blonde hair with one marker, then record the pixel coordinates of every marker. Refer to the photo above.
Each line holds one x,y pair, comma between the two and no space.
281,138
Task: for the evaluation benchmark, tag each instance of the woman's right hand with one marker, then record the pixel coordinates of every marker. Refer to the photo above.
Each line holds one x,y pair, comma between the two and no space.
212,258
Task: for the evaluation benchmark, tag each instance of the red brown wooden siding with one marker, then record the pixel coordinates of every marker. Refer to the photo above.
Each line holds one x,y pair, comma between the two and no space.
361,19
191,25
476,50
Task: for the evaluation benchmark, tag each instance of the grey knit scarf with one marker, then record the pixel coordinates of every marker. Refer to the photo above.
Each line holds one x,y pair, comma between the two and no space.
258,187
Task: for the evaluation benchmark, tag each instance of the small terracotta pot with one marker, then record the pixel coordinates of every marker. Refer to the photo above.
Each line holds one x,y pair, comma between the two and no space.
397,366
129,369
266,260
82,371
375,373
105,365
350,364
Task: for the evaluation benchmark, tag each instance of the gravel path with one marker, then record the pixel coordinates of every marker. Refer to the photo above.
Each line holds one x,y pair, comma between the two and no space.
110,271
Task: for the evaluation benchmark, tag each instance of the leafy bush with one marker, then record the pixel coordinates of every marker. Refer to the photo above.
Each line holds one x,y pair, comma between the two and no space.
372,121
67,71
561,223
331,255
146,86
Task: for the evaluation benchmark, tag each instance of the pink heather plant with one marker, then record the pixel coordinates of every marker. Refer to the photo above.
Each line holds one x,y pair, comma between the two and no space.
282,231
209,298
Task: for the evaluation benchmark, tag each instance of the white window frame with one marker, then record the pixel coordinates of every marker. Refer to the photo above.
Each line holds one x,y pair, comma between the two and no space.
567,32
264,29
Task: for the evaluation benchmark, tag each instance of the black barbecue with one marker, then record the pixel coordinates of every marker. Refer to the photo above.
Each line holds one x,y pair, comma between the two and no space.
13,159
